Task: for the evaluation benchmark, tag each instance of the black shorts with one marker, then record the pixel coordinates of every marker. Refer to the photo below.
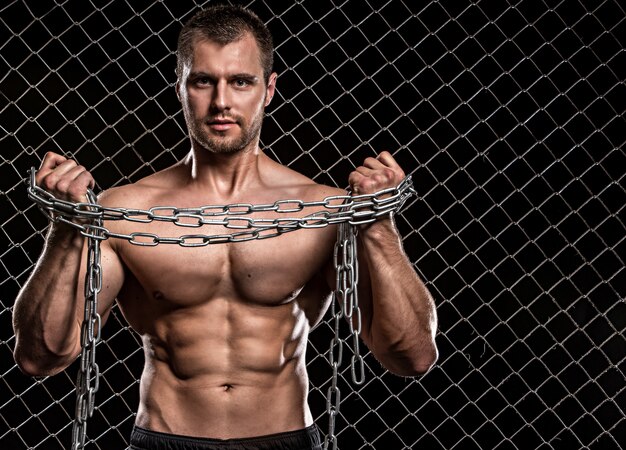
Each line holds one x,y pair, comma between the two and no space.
306,439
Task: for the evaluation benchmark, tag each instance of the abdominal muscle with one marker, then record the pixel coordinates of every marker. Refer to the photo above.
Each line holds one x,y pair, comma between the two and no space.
225,369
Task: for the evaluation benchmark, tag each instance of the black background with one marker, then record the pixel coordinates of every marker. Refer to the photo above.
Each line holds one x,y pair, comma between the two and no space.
508,115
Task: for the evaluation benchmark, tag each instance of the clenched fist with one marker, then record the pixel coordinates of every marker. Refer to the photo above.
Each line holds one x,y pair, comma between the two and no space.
64,178
376,174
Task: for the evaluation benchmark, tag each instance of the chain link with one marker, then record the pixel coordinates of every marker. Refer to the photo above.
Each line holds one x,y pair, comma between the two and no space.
346,211
344,304
88,379
355,210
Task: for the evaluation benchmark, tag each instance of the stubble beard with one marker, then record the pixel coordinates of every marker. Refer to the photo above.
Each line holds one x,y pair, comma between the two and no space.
223,144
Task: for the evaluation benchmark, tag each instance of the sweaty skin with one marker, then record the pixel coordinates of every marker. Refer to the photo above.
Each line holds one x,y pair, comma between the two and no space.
224,327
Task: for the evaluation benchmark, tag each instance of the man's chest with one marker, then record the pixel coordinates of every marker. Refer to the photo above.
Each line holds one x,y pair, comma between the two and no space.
260,271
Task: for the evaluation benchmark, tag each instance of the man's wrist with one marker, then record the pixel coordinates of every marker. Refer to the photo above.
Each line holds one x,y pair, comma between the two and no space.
383,228
64,235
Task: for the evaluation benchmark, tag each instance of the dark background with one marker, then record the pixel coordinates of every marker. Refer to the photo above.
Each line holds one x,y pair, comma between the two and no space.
509,116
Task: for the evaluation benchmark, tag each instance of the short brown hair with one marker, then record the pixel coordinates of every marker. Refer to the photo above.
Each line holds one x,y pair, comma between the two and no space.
225,24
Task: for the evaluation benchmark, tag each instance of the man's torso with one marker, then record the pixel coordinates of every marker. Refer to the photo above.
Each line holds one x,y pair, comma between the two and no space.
224,326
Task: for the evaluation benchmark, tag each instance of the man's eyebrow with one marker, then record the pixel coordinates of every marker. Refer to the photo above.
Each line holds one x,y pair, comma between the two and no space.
200,74
245,76
235,76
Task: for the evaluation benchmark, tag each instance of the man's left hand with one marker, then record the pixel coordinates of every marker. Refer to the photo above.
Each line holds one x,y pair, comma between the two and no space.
376,174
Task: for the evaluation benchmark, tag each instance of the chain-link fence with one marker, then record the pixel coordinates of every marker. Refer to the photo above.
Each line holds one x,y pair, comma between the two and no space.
509,115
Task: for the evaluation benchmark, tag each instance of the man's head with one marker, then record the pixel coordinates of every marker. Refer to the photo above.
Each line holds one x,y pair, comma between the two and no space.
224,24
224,78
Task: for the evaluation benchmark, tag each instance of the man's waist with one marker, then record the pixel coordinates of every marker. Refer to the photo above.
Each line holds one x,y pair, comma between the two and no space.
218,396
225,410
308,437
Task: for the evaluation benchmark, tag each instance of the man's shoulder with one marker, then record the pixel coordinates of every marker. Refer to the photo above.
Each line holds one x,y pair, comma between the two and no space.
321,191
298,184
138,194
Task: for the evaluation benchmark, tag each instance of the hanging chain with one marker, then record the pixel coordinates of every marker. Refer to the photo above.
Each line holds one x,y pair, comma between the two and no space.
88,379
346,211
344,304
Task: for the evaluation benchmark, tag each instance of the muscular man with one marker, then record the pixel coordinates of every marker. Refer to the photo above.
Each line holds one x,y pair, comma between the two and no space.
224,327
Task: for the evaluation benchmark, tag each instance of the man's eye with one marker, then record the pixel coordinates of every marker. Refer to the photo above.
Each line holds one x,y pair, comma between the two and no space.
241,83
203,81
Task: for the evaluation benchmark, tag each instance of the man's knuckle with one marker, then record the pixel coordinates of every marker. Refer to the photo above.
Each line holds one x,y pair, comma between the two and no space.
369,183
354,177
380,177
49,182
76,190
63,185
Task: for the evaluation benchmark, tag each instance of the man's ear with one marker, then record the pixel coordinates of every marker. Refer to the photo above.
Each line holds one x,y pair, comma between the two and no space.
178,89
271,88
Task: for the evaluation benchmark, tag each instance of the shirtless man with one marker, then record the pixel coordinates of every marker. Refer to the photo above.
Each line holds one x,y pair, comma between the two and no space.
224,327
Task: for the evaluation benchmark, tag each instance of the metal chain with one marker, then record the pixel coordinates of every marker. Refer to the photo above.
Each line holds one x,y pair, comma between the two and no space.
353,209
344,304
88,379
346,211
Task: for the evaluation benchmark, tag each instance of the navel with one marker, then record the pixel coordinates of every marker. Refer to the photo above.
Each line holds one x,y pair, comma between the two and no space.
158,295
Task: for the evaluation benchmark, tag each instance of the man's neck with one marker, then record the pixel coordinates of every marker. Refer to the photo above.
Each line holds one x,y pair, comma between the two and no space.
225,174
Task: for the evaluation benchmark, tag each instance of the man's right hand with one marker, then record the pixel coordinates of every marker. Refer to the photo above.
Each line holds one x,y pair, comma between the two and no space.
64,178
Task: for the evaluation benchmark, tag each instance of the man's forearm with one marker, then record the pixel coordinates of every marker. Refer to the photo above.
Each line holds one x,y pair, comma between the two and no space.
46,317
403,317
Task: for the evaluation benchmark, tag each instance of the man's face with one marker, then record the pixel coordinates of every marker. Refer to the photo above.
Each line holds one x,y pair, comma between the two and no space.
223,95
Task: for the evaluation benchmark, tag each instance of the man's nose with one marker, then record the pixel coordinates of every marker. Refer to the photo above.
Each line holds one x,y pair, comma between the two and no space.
221,97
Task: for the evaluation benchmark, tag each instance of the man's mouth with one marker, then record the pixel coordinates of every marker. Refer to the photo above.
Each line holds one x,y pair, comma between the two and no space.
221,124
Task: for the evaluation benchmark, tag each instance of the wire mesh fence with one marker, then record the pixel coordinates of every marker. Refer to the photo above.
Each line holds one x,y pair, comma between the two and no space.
509,116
